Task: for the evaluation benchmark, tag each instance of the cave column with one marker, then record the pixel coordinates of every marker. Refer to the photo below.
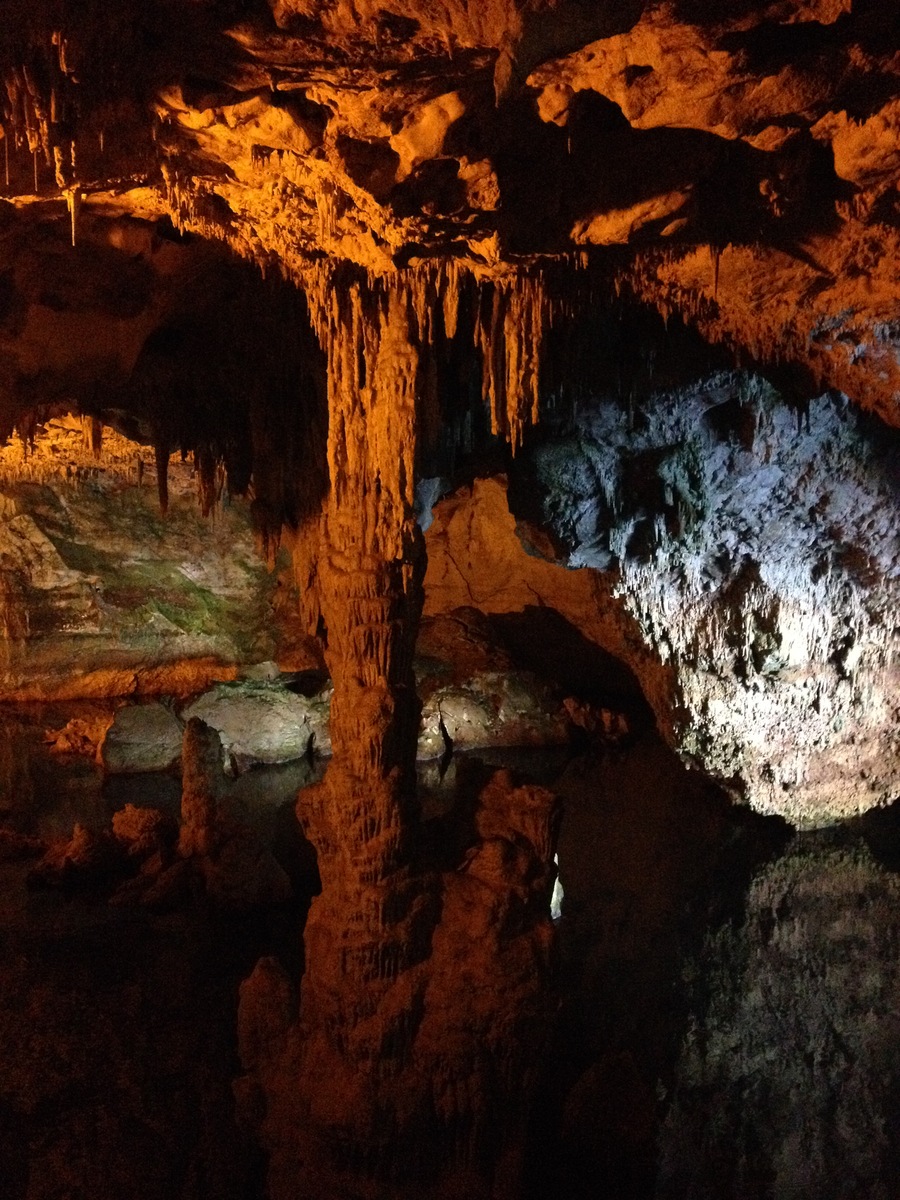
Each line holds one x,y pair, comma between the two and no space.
370,922
410,1068
371,569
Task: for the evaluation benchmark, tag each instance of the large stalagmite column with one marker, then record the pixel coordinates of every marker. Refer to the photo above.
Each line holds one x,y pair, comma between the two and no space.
371,566
423,1004
361,935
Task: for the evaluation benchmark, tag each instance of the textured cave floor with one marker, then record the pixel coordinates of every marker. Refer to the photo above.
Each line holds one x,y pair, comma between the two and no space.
117,1027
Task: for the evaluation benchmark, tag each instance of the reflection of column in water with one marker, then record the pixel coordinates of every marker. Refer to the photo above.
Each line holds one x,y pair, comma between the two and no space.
557,898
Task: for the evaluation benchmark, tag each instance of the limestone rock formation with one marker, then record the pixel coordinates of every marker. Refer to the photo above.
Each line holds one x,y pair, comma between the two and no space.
325,251
491,710
739,556
144,831
81,735
94,606
758,549
263,722
757,145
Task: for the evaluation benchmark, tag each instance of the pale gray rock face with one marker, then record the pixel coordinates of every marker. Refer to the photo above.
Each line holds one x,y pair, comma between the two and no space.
758,549
143,737
262,722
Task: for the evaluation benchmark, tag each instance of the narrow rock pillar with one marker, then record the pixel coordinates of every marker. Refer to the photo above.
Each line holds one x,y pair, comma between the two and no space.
372,921
423,1007
370,573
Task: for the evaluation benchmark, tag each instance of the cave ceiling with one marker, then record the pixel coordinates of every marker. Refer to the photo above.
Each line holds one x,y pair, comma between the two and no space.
734,164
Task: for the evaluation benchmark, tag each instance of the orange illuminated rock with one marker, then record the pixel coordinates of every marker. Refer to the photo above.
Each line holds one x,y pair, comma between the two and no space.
481,135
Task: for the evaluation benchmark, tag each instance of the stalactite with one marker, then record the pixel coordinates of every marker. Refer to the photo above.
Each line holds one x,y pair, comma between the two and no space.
208,479
73,203
180,200
449,284
510,337
92,435
162,452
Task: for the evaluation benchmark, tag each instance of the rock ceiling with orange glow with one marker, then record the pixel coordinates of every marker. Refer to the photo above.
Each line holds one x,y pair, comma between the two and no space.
737,163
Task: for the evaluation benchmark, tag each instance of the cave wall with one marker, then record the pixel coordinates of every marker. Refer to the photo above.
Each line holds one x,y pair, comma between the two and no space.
755,544
104,596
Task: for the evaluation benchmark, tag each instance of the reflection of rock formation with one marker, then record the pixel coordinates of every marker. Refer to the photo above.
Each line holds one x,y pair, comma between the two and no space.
412,1069
238,871
788,1075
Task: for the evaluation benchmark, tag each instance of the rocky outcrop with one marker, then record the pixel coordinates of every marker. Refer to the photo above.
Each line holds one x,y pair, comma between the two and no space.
502,709
264,722
142,737
473,696
477,559
758,550
739,556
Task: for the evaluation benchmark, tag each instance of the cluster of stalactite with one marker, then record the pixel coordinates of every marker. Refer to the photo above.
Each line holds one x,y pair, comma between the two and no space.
74,80
247,417
39,114
658,277
506,317
263,417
